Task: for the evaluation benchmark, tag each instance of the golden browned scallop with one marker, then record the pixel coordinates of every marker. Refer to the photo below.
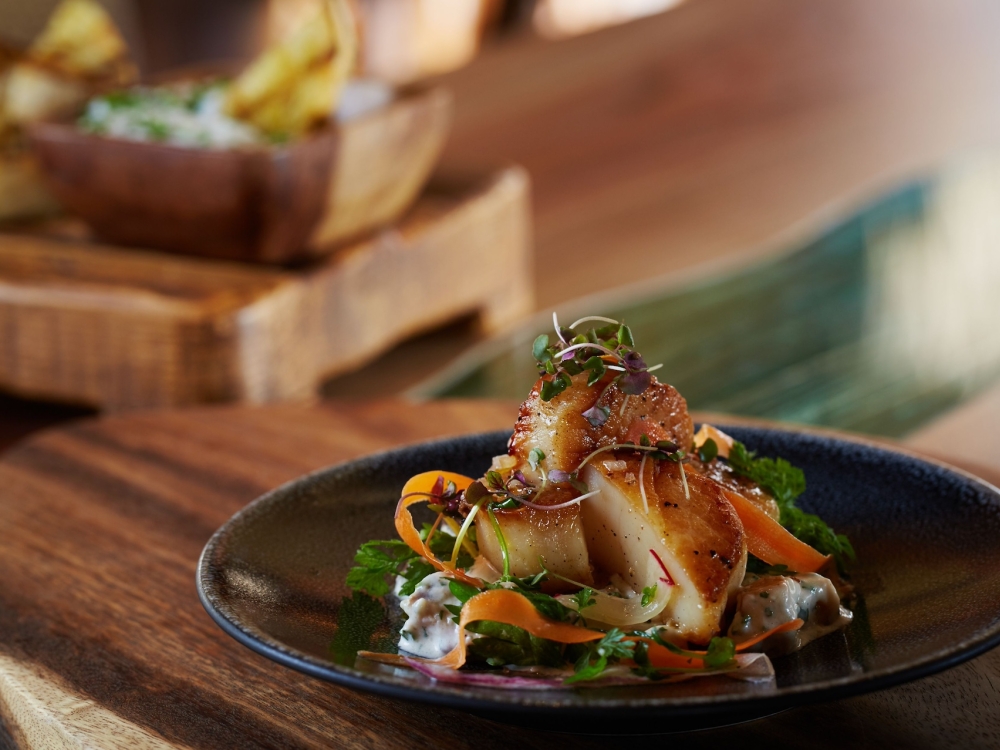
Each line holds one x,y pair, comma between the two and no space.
696,536
560,430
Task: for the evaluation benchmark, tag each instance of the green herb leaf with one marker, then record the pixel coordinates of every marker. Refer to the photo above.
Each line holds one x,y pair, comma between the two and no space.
648,594
611,648
538,349
375,560
761,568
584,598
535,457
708,450
476,492
721,653
625,336
415,572
461,590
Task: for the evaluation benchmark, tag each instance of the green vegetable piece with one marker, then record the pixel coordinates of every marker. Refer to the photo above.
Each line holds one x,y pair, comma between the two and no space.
625,335
584,598
721,653
648,594
610,649
708,451
374,561
461,590
540,349
535,457
414,573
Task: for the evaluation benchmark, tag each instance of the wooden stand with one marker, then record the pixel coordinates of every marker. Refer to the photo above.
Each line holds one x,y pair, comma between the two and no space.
120,329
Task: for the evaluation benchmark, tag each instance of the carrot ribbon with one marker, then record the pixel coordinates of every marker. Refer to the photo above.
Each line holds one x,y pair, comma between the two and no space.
420,489
510,608
772,542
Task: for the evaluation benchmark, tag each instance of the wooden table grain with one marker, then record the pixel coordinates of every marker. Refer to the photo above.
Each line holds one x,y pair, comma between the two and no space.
104,643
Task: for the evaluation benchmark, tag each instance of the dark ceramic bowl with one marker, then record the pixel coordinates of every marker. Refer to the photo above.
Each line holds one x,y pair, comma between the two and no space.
928,573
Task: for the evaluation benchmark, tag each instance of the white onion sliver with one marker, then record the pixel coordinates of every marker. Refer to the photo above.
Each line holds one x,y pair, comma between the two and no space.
642,483
594,317
568,503
617,612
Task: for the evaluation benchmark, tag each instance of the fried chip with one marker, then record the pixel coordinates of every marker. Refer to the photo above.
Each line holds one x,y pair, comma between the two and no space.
81,41
293,86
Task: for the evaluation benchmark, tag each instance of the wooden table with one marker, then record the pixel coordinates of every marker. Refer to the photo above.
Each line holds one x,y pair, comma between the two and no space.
104,643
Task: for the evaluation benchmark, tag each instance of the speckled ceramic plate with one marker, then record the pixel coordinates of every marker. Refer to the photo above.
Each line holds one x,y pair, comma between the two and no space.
928,574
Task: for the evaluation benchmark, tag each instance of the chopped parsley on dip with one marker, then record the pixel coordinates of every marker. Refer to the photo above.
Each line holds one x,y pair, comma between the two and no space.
189,116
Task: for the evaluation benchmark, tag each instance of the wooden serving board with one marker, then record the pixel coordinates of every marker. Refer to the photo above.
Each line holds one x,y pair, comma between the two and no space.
119,329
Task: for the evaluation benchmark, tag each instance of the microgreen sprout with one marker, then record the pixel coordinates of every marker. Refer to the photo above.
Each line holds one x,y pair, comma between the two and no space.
608,347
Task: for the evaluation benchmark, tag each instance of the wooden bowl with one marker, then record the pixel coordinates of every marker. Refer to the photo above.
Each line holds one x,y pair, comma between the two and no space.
270,204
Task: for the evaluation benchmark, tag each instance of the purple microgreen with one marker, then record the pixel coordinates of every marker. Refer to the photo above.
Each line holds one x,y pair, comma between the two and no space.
597,415
597,350
558,476
438,488
667,445
635,383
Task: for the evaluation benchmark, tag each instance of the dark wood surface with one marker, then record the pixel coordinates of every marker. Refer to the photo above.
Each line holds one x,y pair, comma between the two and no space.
103,521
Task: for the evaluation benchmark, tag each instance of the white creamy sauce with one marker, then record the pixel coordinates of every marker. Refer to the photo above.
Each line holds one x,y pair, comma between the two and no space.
192,116
429,630
185,116
766,602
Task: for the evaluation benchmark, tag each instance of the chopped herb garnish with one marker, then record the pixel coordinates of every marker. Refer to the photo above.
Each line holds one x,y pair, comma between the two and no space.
584,598
708,450
598,655
376,560
759,567
648,594
599,349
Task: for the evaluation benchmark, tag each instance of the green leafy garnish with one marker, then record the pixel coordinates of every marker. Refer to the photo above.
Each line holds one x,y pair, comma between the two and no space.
761,568
584,598
785,483
414,573
504,644
462,590
708,450
376,560
573,353
598,655
721,653
648,594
